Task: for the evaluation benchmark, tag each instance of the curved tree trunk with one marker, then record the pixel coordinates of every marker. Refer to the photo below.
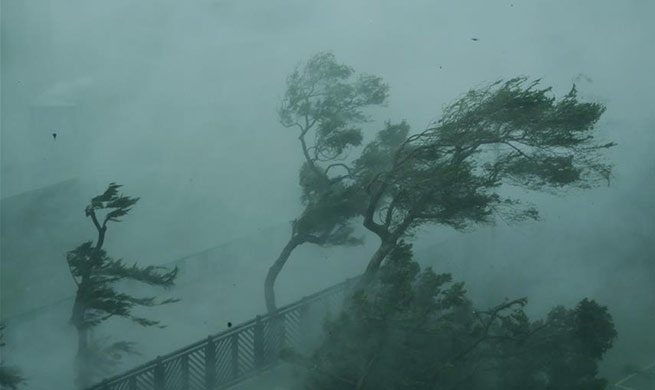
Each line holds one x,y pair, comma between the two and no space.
388,241
378,257
274,271
374,264
82,379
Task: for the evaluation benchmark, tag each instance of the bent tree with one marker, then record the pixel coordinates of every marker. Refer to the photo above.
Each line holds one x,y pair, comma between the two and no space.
96,299
324,103
458,171
409,329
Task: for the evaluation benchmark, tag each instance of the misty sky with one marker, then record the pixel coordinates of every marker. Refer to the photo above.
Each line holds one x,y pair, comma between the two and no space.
177,100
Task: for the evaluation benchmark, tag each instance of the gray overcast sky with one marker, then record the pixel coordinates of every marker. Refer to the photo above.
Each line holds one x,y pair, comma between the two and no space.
189,90
177,99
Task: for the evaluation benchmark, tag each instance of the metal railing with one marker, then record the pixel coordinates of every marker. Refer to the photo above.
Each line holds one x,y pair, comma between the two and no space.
641,379
229,357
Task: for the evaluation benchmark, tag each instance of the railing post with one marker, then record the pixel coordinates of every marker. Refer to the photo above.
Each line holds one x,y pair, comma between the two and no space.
159,374
210,364
258,343
132,383
235,355
271,333
303,322
280,333
184,362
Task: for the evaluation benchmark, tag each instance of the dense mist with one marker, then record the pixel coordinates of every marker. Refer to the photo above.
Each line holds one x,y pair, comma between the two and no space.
179,102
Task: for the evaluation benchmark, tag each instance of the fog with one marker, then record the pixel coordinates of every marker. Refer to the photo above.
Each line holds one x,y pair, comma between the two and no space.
177,101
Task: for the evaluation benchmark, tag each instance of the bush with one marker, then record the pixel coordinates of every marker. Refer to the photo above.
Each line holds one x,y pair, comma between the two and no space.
416,329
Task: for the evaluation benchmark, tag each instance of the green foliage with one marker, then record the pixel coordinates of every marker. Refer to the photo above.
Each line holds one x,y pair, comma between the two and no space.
326,99
377,156
10,377
327,96
413,329
98,274
110,199
509,133
327,215
541,141
564,354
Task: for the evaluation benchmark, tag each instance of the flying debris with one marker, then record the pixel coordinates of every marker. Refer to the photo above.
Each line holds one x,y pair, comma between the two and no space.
54,136
582,77
474,39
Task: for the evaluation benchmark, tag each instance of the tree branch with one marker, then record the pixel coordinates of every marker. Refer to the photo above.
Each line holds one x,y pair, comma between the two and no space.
518,150
305,152
493,314
70,269
369,223
90,212
361,382
390,210
342,165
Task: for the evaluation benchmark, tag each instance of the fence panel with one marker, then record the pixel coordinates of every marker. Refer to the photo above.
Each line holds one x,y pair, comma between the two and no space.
229,357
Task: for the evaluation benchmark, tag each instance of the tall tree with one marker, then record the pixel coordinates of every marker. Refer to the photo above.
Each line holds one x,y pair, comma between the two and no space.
324,102
10,376
408,331
456,172
96,274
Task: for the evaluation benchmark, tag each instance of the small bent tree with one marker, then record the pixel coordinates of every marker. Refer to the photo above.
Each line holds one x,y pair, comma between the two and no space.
10,377
324,101
452,173
96,299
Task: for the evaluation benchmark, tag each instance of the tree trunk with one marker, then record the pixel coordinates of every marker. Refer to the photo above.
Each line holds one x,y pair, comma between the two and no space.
274,271
378,257
374,264
82,377
77,320
82,341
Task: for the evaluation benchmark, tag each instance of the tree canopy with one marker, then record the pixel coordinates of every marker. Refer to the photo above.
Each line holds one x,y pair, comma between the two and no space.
454,173
325,102
510,133
413,329
417,329
96,275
